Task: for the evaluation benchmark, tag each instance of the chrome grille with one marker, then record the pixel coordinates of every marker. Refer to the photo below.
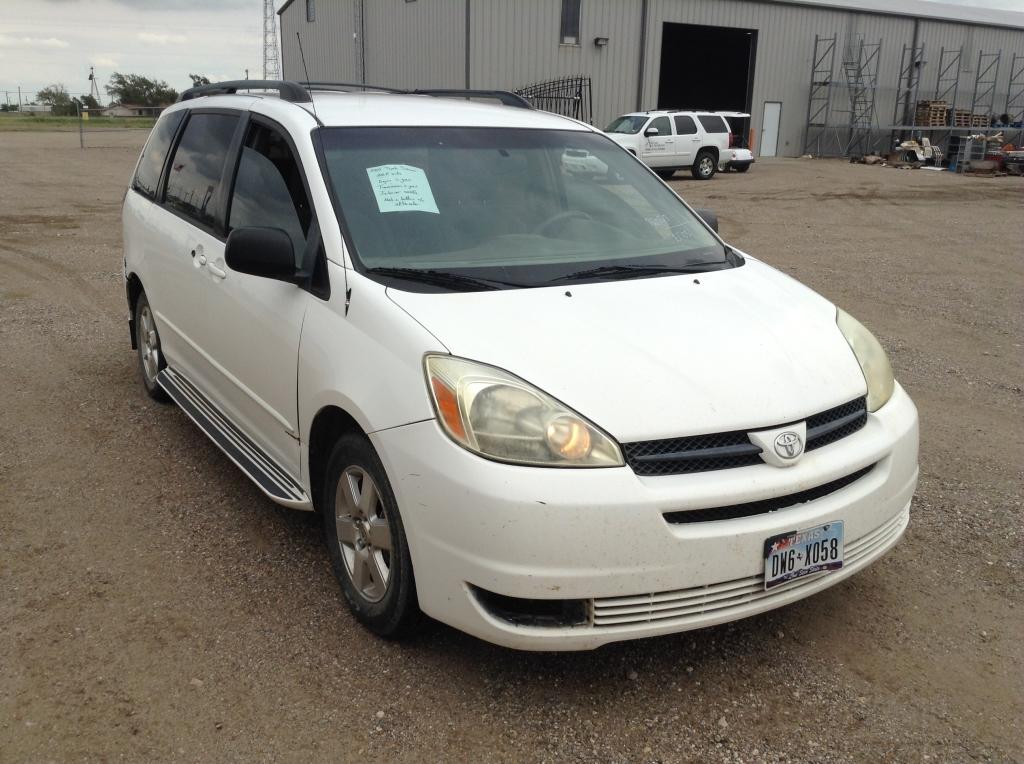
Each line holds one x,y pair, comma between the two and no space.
726,450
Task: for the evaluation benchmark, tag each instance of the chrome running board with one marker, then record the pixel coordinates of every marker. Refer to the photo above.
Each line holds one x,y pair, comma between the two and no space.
269,477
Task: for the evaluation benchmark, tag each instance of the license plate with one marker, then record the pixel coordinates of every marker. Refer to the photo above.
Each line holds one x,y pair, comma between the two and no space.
796,554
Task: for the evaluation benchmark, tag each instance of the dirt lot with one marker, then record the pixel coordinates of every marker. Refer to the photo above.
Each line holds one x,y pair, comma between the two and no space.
154,606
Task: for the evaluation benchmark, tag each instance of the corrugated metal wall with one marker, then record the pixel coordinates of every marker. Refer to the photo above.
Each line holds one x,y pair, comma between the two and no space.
329,42
516,43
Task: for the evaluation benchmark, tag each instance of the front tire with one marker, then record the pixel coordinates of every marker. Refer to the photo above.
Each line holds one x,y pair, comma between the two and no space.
366,540
150,353
704,166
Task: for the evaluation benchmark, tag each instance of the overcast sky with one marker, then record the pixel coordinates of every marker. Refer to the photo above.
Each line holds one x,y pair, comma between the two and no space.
47,41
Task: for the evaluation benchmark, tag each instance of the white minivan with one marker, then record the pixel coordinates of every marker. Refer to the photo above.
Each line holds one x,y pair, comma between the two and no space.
549,407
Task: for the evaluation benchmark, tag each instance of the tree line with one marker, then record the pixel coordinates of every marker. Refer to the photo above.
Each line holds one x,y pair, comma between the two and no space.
129,89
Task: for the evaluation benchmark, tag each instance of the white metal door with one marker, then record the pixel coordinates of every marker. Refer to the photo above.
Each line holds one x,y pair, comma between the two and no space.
770,128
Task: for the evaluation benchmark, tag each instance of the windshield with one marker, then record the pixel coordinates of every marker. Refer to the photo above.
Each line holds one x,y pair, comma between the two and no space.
511,206
628,125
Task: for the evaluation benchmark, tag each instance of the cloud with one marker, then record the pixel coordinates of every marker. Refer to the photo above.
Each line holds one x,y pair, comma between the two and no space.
157,38
105,61
32,42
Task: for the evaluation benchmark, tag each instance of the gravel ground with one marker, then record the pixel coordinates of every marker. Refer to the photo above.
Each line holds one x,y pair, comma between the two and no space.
156,607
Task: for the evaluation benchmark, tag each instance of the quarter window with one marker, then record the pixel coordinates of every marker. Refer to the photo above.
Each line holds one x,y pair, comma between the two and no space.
685,125
569,33
147,176
713,124
310,10
268,189
661,124
197,166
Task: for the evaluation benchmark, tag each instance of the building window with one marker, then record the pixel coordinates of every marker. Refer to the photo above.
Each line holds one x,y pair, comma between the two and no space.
310,10
570,26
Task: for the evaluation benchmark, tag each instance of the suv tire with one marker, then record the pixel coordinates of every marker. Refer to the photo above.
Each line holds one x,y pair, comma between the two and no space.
741,168
147,342
665,174
704,165
366,540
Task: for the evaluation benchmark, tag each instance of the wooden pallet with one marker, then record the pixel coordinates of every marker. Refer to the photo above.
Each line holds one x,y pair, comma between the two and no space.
932,117
932,105
961,118
980,120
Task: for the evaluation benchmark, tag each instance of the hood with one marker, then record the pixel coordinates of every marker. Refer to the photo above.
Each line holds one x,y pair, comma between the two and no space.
661,357
624,139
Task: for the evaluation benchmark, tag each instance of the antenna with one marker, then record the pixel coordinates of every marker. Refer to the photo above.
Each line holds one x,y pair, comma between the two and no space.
271,56
306,72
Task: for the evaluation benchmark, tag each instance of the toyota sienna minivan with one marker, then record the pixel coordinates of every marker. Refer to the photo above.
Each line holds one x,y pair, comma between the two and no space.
551,408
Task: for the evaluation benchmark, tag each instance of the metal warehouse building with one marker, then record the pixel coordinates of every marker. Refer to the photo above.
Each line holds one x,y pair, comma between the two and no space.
825,76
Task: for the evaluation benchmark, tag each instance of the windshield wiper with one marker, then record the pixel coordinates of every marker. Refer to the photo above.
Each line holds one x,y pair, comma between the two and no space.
442,278
624,271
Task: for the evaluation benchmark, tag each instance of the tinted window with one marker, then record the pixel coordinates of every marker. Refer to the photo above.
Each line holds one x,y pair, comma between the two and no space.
685,125
570,26
147,176
713,124
197,166
310,10
662,126
269,190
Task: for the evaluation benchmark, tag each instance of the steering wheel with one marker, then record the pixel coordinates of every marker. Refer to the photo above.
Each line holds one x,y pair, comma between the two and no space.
560,218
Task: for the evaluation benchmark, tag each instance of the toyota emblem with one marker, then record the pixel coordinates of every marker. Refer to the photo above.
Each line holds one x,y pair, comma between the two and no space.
788,445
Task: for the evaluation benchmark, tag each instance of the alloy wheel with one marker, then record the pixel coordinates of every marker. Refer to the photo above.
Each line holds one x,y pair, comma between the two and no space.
149,343
363,533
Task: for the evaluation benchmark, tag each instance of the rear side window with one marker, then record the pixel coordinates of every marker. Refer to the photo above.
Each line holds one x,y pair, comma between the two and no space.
685,125
147,176
198,164
268,189
713,124
662,125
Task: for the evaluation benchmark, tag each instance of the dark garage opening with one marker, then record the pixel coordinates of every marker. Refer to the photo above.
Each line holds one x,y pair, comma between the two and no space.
705,67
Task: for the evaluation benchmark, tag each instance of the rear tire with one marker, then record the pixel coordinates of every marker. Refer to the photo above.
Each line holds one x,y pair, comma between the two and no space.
704,165
741,168
366,541
665,174
150,353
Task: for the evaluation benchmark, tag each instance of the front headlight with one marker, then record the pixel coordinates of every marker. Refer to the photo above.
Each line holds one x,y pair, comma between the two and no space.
497,415
872,358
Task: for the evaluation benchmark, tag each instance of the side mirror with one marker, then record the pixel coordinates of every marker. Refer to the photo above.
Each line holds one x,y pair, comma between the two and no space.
650,131
709,217
265,252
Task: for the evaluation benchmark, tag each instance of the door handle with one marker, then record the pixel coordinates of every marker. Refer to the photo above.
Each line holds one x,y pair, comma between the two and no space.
218,272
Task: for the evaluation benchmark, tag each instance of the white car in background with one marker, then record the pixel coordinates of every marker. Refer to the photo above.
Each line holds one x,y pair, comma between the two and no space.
674,139
529,391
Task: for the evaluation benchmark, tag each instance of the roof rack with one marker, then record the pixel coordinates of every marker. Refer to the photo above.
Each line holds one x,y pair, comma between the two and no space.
506,97
290,91
299,92
347,86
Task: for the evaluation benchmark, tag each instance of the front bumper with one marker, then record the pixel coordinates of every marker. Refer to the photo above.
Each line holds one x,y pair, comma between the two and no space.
600,535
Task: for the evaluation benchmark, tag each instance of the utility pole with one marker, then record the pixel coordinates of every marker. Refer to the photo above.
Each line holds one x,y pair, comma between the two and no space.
271,55
247,73
19,98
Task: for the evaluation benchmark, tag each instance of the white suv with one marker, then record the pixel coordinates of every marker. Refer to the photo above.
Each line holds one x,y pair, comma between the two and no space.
672,140
547,406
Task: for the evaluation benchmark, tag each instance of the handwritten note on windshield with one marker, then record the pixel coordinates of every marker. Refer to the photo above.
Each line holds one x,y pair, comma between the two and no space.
401,188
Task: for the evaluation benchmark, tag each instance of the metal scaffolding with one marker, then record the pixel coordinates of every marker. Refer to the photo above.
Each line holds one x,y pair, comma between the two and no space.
860,70
820,98
948,79
985,82
911,62
1015,91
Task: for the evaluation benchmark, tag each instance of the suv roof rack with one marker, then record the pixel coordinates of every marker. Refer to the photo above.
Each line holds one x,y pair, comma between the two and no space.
299,92
290,91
